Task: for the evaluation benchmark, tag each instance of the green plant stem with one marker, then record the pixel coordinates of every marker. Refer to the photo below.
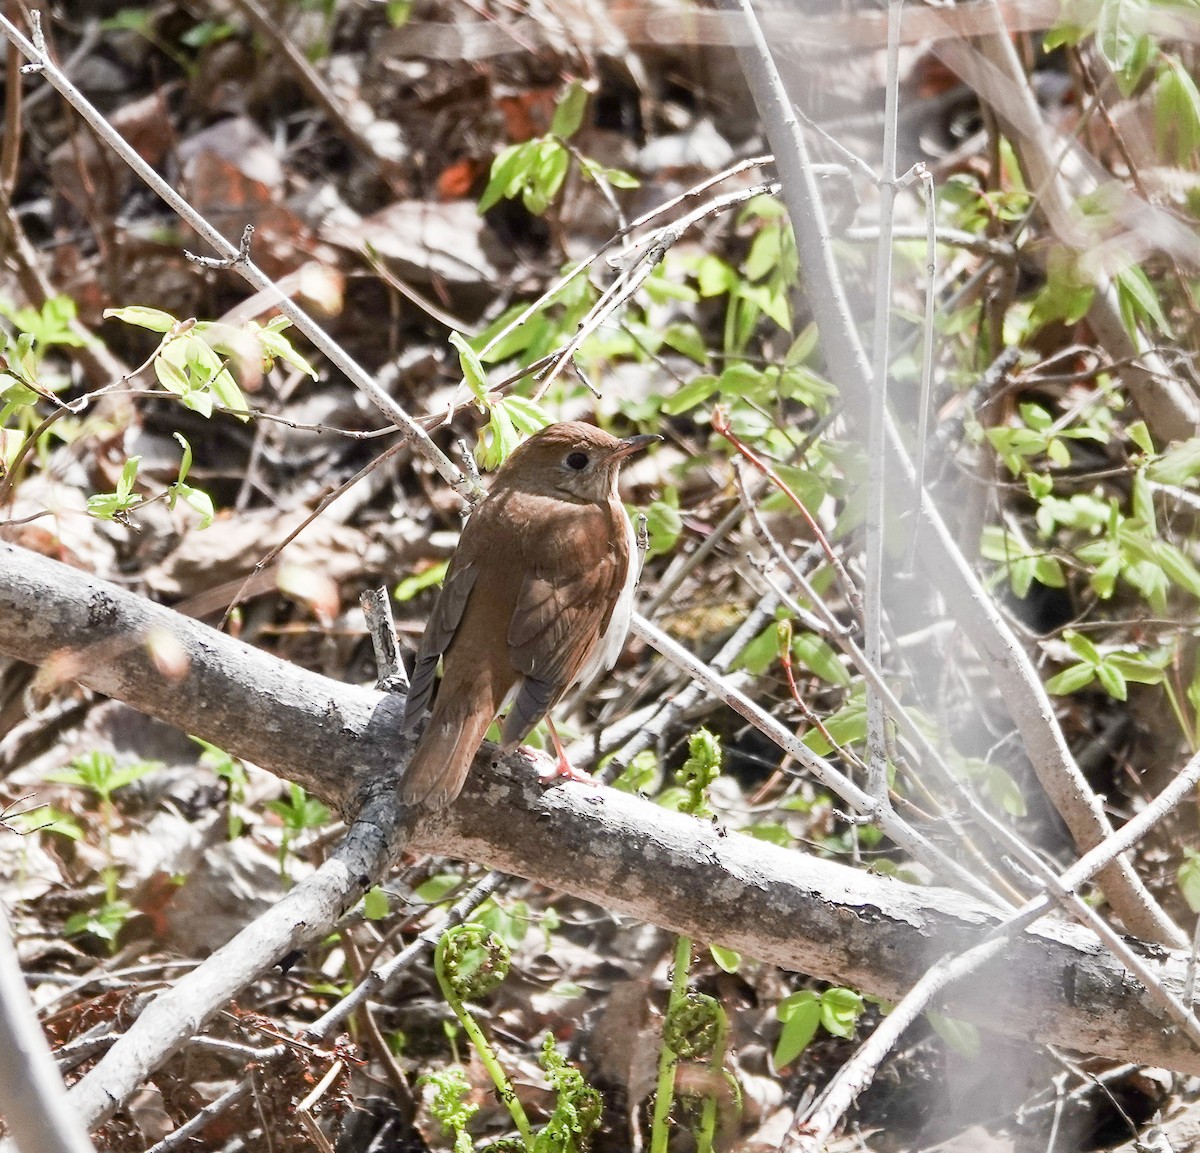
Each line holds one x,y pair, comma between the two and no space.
668,1059
716,1066
486,1053
1189,733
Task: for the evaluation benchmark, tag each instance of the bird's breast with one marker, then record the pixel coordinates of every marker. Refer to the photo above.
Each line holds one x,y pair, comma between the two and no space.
612,639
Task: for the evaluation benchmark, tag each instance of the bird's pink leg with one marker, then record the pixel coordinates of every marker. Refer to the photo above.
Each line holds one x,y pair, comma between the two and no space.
559,769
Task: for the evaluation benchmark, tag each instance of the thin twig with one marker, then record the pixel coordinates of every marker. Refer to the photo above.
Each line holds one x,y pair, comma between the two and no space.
250,271
877,461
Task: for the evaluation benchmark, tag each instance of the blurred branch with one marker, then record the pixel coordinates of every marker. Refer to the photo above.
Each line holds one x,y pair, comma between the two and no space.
1006,660
33,1099
1058,176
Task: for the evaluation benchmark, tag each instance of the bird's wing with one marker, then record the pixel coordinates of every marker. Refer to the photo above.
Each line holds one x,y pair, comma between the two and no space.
439,632
564,605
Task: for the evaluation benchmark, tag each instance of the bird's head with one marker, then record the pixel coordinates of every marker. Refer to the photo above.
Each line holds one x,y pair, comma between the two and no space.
572,461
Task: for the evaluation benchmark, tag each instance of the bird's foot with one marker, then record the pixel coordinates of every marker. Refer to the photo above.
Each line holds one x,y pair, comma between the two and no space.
551,769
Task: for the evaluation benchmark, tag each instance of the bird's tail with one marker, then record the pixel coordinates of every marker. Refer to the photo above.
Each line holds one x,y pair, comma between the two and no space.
435,775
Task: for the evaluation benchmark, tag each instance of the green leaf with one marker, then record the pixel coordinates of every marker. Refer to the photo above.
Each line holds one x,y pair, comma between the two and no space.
802,347
1140,668
1177,566
196,499
1035,416
185,465
45,819
804,483
847,725
1142,503
1188,877
619,178
527,416
773,301
1076,19
1004,792
299,811
726,959
1082,647
105,922
815,654
640,775
1178,465
759,654
802,384
663,524
840,1010
695,392
276,346
800,1014
1071,680
1049,572
103,506
1067,294
1122,40
1058,453
128,477
1140,435
1193,688
398,12
375,904
1138,300
714,277
1112,681
496,439
1176,113
472,368
773,834
510,170
16,393
687,340
1104,579
143,317
1040,485
418,582
547,178
568,116
438,887
961,1036
11,443
170,366
765,251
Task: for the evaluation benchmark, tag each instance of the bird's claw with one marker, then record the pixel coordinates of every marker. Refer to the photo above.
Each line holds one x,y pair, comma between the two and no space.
550,769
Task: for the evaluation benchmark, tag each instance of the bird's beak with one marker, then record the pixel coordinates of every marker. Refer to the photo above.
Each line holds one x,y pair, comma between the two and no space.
632,444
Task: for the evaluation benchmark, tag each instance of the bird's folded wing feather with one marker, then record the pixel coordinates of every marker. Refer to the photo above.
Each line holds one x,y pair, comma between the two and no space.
563,607
439,632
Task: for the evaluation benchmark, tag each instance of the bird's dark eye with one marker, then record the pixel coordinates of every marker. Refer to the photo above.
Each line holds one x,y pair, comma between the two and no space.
577,460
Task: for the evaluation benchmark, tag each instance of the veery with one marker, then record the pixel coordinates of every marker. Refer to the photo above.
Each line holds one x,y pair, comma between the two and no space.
537,597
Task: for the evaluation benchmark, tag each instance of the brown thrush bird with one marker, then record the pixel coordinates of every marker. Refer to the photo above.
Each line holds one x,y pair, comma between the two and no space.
537,597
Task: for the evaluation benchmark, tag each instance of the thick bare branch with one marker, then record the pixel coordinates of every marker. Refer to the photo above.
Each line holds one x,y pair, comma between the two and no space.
777,905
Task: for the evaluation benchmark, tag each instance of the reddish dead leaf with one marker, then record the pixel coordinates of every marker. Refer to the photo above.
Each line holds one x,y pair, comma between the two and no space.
458,179
528,114
154,899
